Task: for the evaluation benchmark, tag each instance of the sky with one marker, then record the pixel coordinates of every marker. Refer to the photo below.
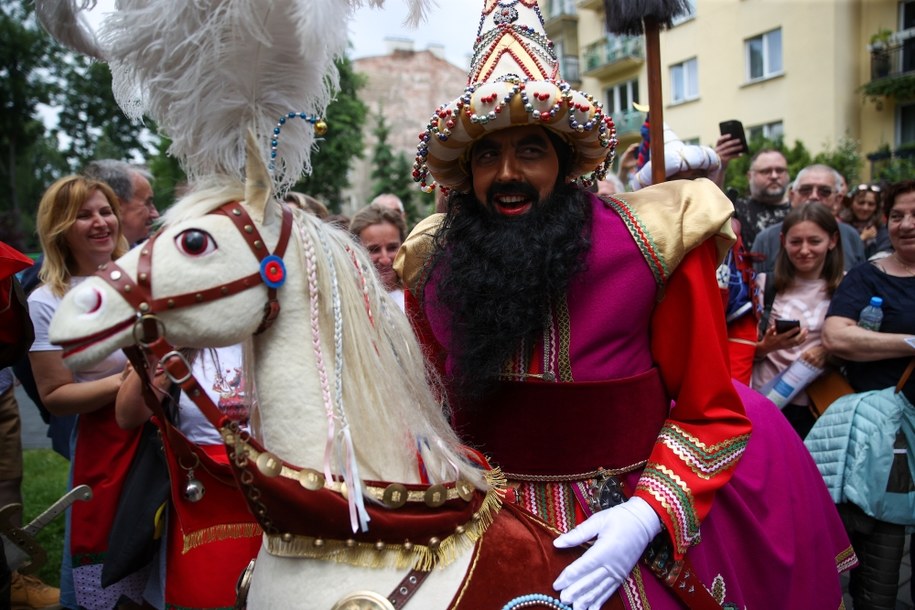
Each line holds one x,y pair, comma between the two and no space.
451,23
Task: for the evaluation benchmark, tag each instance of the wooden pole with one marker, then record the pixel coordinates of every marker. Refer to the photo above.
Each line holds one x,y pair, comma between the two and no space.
655,100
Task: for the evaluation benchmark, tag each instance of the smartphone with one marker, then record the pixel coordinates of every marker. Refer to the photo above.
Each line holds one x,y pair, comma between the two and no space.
783,326
735,130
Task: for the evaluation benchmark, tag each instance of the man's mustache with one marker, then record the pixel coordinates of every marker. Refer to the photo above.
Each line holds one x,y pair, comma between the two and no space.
525,189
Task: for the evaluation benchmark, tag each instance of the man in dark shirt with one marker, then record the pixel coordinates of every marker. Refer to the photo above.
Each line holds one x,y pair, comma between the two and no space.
768,201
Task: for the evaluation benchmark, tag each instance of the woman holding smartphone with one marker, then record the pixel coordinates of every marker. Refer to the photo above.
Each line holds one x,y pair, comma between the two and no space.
808,269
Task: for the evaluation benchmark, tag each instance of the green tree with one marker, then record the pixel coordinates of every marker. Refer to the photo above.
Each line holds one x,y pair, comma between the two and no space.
342,143
382,157
27,61
92,123
844,158
797,156
170,178
393,173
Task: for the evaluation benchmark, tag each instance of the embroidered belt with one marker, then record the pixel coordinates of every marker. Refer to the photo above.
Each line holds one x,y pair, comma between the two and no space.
557,429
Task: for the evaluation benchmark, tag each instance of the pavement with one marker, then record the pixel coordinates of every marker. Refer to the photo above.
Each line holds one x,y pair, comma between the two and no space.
34,436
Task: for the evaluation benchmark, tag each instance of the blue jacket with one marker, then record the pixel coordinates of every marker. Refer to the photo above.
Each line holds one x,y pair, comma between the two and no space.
852,444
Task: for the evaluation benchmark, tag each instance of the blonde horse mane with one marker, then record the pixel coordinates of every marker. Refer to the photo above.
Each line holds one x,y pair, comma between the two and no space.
387,382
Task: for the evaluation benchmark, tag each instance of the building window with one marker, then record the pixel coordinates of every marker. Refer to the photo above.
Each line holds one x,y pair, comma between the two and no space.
684,81
621,96
769,131
558,8
690,15
764,55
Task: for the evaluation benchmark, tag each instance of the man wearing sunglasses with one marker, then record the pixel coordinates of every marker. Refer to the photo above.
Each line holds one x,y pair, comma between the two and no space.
814,184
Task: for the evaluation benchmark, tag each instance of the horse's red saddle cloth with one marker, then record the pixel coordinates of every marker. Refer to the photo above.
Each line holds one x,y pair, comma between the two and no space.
516,557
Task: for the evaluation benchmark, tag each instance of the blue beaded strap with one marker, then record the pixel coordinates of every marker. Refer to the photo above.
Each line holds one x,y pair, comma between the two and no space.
535,599
319,125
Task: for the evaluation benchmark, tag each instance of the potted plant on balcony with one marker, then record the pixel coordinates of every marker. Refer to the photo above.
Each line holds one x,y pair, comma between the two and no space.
880,55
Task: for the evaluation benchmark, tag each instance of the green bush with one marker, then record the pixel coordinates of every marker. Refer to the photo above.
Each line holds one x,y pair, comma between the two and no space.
44,480
845,158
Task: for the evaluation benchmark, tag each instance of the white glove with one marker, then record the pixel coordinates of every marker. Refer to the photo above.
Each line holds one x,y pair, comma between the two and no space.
623,533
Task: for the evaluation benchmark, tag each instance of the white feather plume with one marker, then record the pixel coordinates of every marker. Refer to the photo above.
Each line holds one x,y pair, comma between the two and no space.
207,71
64,21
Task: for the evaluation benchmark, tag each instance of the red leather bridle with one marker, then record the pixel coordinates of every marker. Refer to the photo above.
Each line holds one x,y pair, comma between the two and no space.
272,272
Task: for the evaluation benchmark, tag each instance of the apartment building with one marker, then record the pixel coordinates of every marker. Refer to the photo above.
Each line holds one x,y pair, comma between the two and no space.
793,68
406,85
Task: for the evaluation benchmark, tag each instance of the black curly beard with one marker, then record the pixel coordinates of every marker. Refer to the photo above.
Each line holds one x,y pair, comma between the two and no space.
497,276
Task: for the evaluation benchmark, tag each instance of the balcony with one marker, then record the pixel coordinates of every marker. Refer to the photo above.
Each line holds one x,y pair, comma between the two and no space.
562,24
568,70
613,55
591,5
892,67
557,9
628,123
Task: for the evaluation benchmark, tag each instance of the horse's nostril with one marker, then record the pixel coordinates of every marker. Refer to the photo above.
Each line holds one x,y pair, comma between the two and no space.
89,300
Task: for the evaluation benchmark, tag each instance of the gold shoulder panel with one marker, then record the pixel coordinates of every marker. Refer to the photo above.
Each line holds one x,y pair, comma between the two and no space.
679,215
415,250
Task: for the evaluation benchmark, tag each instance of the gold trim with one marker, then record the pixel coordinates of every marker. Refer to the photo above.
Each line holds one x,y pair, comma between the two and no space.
406,554
363,600
217,533
564,321
308,477
555,478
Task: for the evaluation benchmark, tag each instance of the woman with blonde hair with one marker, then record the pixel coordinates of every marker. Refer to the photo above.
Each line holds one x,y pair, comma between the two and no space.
381,231
79,225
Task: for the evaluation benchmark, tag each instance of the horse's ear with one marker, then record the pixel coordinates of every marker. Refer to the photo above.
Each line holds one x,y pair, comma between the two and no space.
258,185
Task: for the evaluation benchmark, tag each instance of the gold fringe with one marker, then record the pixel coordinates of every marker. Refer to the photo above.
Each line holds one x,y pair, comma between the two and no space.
217,533
399,555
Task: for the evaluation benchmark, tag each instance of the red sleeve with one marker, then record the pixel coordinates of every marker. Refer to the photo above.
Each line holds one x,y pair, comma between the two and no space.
707,430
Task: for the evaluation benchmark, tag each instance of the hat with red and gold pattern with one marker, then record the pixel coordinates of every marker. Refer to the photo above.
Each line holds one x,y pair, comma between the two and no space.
514,81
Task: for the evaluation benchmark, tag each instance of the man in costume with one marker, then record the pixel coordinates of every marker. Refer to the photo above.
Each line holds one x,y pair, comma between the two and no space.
564,325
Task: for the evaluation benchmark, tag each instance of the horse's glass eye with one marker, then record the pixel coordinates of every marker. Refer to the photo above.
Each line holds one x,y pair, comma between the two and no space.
195,242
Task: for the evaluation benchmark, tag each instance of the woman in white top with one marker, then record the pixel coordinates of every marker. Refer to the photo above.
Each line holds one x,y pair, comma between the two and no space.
808,268
206,547
79,227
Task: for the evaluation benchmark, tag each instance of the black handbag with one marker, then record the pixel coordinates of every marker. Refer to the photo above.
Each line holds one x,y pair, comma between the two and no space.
139,521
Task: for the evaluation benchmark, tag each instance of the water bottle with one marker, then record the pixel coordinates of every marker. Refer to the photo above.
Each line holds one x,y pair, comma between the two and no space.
872,315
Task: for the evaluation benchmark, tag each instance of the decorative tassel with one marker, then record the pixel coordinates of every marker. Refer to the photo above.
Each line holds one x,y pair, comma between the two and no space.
625,17
358,515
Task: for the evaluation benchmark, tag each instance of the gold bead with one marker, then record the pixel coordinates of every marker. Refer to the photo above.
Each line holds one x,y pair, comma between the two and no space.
319,542
350,543
395,495
379,546
459,530
434,542
269,465
287,537
435,495
320,128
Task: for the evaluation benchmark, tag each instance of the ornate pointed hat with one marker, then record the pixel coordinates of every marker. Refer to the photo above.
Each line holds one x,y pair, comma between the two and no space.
514,81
